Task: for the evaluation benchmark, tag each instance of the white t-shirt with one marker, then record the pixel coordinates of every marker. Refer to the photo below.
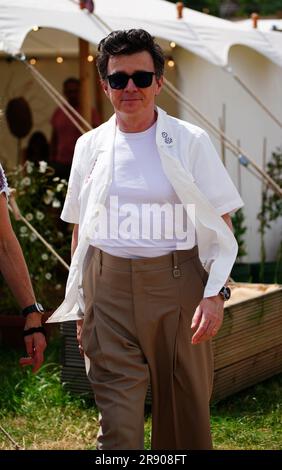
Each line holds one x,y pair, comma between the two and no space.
144,217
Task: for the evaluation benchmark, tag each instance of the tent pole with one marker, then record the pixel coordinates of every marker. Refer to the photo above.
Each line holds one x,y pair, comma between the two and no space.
262,220
71,112
173,91
84,73
235,77
98,92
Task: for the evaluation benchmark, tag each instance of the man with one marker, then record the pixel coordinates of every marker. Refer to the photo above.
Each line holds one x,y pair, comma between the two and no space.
64,132
150,308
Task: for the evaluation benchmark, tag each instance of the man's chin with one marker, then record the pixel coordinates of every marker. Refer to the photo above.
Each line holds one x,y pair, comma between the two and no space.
131,102
131,105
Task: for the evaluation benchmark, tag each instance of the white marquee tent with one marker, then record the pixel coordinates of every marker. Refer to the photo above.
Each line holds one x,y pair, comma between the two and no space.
209,52
209,37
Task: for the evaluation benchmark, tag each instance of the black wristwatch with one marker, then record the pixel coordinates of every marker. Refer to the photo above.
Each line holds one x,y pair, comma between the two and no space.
33,309
225,293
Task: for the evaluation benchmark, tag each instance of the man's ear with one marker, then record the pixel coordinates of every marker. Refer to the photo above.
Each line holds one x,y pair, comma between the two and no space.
159,85
105,87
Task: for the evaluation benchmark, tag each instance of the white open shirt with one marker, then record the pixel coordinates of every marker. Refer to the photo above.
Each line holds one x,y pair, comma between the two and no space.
198,177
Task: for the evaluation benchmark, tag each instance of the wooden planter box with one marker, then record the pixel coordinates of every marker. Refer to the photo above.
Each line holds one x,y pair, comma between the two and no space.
247,349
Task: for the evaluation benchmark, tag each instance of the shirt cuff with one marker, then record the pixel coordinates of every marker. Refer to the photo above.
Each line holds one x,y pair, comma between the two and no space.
230,207
70,219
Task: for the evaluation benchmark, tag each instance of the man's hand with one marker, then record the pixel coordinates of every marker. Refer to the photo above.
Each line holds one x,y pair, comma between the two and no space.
35,344
207,319
79,324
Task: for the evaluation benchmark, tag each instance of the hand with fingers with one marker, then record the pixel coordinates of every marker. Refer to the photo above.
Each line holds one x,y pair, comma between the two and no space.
207,319
35,342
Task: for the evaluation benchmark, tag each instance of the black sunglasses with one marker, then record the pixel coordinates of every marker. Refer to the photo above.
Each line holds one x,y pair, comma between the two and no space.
119,80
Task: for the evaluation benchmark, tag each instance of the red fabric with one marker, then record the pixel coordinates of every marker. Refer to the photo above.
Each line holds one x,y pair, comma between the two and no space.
67,135
89,4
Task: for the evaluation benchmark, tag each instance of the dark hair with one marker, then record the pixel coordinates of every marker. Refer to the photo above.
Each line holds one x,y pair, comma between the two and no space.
37,148
71,80
128,42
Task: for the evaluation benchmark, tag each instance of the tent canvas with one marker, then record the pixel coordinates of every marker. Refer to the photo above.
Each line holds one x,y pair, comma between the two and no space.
204,35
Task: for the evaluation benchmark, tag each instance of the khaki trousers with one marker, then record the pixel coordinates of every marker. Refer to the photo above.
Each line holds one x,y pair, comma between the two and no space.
137,329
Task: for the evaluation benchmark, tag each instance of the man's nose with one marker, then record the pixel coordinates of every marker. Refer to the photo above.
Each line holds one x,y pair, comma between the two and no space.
131,85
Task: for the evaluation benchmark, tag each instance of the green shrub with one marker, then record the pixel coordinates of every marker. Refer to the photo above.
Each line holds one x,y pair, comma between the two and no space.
40,195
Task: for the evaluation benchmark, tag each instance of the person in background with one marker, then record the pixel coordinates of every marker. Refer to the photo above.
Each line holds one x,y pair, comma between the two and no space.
64,132
15,272
37,149
148,278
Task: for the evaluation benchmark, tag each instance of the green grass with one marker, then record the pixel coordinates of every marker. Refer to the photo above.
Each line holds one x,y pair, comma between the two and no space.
250,419
39,413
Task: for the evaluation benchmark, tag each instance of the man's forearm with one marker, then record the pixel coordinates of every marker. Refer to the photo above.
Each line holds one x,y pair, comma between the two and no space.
15,272
74,239
227,219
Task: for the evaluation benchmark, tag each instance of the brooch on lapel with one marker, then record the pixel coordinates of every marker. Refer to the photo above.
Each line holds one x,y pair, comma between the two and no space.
166,138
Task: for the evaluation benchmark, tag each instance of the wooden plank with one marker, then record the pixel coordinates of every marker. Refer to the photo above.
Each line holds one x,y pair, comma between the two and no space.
254,311
235,348
68,328
246,373
76,381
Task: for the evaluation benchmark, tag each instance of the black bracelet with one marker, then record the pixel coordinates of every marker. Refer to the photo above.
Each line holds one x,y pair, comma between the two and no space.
31,331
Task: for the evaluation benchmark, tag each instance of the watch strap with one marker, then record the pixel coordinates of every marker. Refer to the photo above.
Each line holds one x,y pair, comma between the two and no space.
34,308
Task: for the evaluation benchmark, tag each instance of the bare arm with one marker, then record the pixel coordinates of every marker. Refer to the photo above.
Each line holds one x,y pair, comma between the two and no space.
74,240
12,262
15,272
228,221
208,316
